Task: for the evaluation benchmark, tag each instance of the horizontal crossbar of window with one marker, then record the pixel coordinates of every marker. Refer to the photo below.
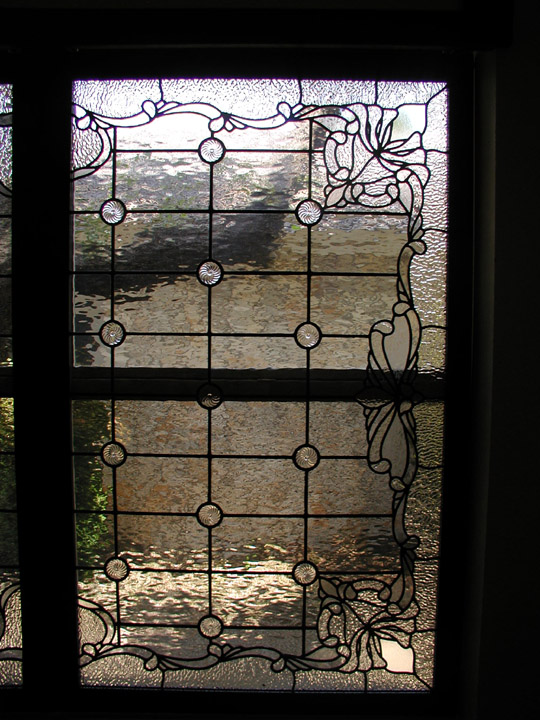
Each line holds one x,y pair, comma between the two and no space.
245,385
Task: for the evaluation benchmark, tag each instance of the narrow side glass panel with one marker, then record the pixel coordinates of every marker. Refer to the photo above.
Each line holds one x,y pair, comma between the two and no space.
10,608
259,296
5,224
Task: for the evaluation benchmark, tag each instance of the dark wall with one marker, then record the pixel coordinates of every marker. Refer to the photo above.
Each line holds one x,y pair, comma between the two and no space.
510,628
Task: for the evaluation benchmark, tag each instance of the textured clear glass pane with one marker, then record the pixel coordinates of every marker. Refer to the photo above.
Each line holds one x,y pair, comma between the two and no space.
179,132
431,356
139,351
435,210
6,352
426,577
260,487
7,481
257,180
257,544
95,538
5,306
161,484
91,191
338,92
9,552
338,428
152,303
244,97
10,629
369,243
393,94
91,302
156,541
256,353
352,544
5,155
159,241
168,597
257,241
275,594
259,304
162,181
259,234
247,674
5,245
428,279
294,136
152,427
349,305
91,422
425,510
92,243
429,418
340,354
93,483
347,487
275,428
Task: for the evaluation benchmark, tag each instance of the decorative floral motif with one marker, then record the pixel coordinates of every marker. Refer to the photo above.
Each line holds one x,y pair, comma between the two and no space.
388,400
368,166
356,616
9,615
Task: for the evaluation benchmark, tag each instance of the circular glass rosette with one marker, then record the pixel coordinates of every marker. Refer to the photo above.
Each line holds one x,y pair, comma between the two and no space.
116,569
305,573
113,211
308,335
211,150
113,454
209,273
306,457
309,212
209,515
209,396
210,626
112,333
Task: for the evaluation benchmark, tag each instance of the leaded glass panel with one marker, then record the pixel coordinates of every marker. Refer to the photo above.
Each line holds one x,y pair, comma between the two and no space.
259,353
6,150
10,605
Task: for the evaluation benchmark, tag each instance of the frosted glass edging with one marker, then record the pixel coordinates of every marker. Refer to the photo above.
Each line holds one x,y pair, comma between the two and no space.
399,166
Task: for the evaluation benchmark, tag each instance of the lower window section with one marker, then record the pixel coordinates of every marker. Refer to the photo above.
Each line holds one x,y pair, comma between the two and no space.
258,545
10,600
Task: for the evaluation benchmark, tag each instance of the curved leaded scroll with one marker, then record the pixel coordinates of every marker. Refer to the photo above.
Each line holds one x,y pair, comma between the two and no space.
260,227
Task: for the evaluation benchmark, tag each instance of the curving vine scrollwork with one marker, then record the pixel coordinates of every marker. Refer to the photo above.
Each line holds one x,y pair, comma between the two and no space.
370,167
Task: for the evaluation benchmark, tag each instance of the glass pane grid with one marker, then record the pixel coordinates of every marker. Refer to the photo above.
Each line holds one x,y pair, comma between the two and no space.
229,542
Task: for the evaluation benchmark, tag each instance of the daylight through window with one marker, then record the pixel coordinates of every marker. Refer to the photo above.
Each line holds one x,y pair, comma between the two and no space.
259,288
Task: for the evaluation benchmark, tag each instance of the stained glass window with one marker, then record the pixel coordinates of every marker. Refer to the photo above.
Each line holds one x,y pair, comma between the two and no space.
10,615
259,273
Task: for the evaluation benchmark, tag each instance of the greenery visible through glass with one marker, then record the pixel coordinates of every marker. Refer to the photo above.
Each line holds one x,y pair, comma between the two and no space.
247,233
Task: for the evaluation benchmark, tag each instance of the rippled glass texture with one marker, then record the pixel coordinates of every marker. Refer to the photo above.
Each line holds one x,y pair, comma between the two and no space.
259,305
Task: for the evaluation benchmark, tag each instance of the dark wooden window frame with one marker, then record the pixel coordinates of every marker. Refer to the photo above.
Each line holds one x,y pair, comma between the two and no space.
40,382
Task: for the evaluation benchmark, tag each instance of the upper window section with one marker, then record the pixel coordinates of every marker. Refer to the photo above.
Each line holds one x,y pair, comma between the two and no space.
291,200
5,223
